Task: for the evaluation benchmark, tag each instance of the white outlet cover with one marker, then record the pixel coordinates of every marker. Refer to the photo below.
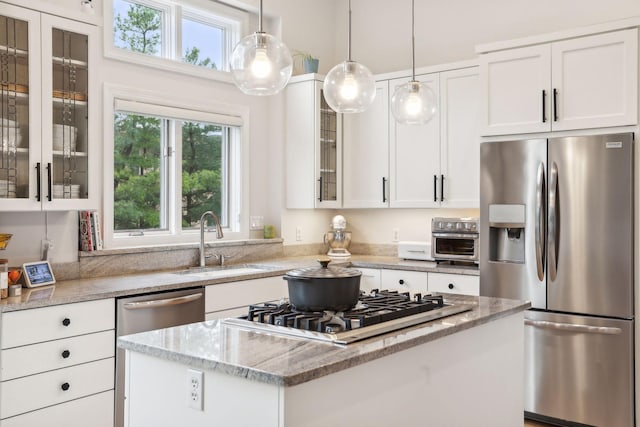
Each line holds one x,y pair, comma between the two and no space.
257,222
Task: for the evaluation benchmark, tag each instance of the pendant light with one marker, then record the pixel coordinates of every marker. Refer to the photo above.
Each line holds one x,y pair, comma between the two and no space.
413,103
260,63
349,87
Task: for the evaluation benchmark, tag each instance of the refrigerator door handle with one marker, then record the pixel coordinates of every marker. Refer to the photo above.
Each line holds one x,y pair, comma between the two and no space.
570,327
540,221
553,222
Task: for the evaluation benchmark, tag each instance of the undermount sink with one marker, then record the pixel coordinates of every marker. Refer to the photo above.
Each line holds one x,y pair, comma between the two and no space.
214,273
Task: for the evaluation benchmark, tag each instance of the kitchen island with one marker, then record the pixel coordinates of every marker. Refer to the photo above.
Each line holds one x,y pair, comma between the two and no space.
462,370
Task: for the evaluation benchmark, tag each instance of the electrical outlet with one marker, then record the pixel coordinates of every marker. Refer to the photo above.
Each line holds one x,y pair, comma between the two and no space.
396,235
45,247
195,388
257,222
298,234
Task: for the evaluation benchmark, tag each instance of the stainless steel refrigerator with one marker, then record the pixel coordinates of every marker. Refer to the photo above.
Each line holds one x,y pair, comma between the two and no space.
556,228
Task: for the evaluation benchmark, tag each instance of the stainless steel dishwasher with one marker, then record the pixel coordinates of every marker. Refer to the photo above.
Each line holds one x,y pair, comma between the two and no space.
148,312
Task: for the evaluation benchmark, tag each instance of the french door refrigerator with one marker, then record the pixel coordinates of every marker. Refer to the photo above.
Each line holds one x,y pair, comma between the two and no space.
556,228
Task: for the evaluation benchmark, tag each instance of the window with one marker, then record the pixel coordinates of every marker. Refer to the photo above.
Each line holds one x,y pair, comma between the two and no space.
170,165
154,32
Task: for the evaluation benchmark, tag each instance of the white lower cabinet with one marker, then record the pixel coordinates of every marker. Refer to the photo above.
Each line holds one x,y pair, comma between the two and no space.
418,281
370,279
57,365
94,411
405,281
232,299
454,283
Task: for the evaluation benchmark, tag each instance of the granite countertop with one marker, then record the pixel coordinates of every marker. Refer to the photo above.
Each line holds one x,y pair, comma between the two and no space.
78,290
286,361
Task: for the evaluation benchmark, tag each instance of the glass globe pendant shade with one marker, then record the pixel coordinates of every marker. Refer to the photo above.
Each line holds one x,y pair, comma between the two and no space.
413,103
349,87
261,64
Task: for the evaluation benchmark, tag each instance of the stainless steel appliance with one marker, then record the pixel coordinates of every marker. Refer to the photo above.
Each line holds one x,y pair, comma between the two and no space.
557,229
455,239
376,313
146,313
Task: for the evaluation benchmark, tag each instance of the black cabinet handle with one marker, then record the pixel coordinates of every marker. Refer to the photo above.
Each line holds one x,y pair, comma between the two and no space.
38,177
435,188
320,192
66,354
65,386
401,281
66,321
544,106
384,190
442,188
450,285
49,181
555,105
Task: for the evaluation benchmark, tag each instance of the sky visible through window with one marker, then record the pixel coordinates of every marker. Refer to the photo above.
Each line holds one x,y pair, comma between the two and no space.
207,38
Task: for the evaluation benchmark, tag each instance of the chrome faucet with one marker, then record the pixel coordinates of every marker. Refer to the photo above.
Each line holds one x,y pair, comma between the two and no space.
219,235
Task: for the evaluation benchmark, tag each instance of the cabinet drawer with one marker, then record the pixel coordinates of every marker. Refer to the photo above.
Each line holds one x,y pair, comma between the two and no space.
405,281
370,279
454,283
38,391
238,294
35,358
94,411
55,322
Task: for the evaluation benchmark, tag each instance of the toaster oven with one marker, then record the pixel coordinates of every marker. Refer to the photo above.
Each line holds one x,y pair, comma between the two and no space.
455,239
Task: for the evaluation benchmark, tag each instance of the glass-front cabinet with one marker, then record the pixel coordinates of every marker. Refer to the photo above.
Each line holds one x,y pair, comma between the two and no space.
313,150
46,125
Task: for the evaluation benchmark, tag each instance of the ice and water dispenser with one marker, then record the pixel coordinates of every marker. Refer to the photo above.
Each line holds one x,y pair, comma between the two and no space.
507,233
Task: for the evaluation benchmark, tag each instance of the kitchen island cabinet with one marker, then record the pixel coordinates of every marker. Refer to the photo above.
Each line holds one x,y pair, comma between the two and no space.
463,370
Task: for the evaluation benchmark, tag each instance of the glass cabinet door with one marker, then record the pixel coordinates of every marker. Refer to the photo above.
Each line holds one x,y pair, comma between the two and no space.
14,109
329,156
69,171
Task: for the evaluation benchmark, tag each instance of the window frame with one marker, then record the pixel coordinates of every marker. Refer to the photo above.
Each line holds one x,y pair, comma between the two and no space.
237,176
202,11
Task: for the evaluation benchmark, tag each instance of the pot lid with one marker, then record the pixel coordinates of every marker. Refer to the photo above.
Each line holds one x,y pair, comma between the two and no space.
324,271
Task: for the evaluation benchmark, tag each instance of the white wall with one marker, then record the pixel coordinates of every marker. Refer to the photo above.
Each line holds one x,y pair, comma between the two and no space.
447,31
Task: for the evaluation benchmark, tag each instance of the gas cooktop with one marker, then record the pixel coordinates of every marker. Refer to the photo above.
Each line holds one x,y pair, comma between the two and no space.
376,313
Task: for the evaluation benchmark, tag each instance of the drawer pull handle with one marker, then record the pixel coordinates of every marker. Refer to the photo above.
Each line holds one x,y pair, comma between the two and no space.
66,321
66,354
65,386
450,285
401,281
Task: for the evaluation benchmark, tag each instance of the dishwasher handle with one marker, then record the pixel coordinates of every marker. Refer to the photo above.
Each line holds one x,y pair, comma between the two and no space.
570,327
162,302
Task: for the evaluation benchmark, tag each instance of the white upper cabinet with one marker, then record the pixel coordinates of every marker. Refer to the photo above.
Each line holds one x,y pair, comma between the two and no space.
313,148
438,164
460,138
414,155
49,133
586,82
366,154
515,91
595,80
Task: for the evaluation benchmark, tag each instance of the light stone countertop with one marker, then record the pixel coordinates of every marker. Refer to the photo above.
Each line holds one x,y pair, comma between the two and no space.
78,290
289,361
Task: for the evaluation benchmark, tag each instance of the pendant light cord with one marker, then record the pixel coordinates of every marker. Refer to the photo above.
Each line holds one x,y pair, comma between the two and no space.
413,41
349,35
260,18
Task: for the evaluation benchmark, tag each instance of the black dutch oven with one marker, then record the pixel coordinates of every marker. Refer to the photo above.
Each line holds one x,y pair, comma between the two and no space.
324,288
